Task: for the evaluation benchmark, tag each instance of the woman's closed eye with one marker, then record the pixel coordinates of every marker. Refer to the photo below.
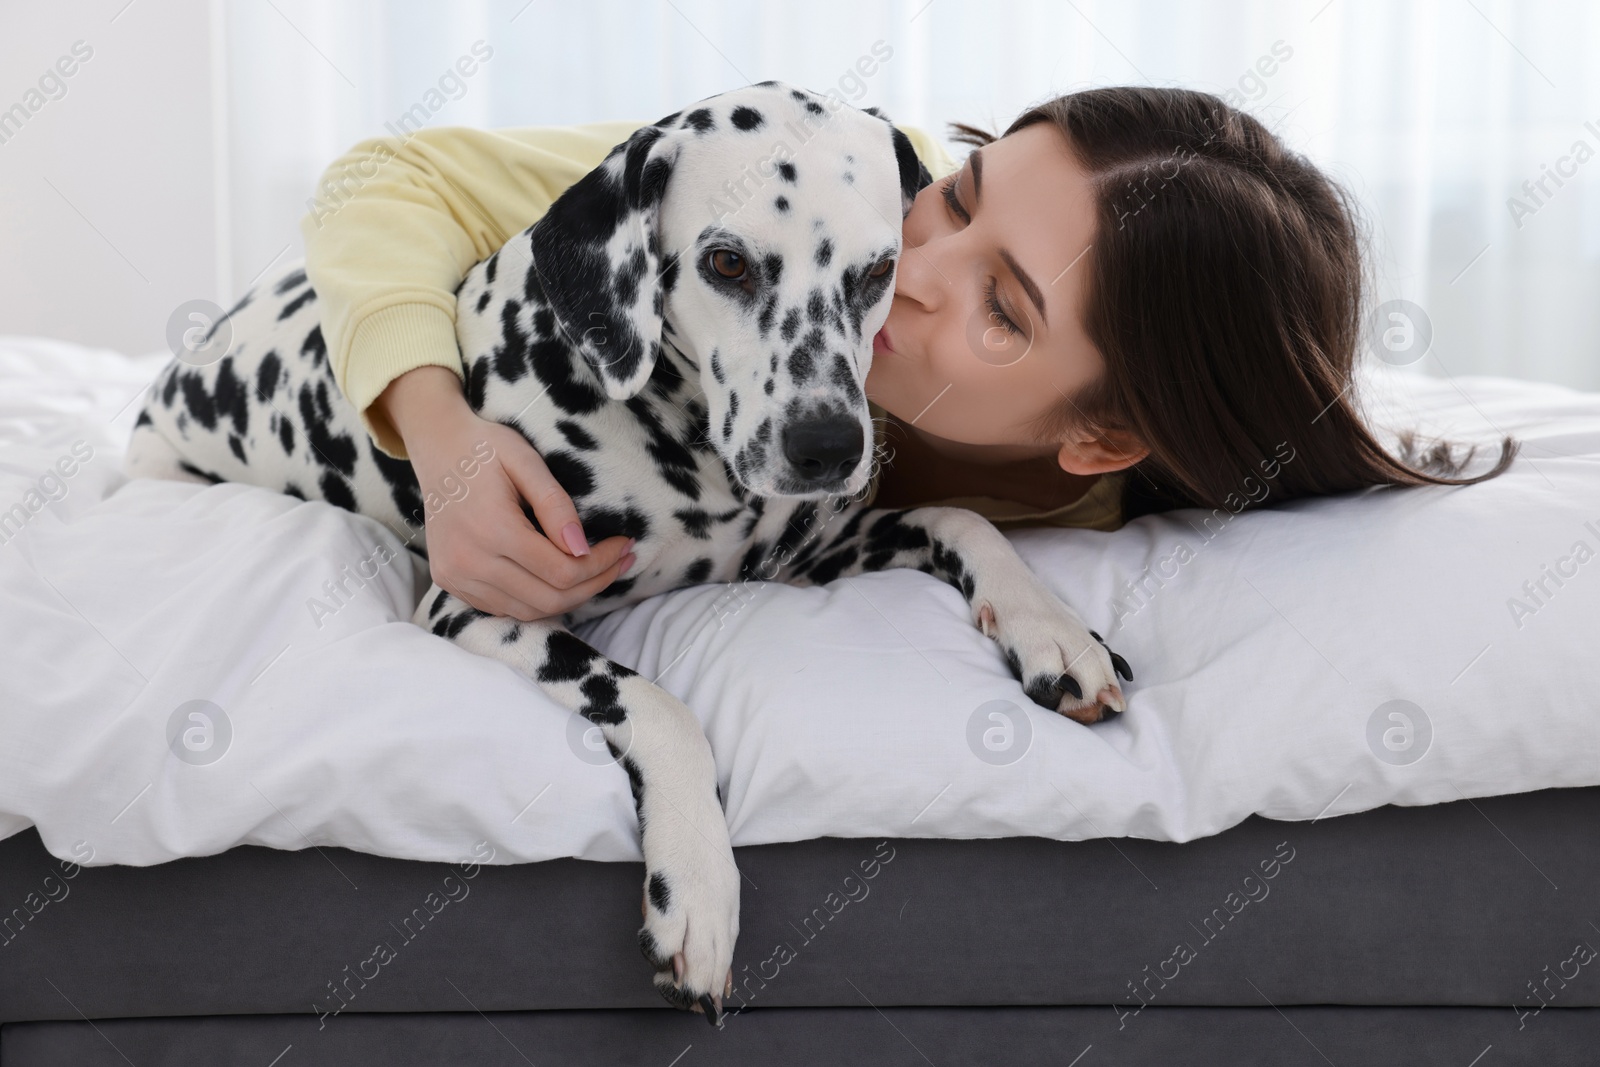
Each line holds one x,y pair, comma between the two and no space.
947,189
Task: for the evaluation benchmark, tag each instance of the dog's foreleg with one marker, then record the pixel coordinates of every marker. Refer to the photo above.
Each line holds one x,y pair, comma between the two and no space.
1061,663
691,914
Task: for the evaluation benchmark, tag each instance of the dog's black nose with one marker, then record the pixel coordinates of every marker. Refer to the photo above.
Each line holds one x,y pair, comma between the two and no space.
826,449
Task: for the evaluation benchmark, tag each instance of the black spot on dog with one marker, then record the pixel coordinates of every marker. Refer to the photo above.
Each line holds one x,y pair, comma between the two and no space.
781,203
843,379
577,436
787,171
647,945
575,476
795,530
667,120
674,459
290,281
267,375
294,490
144,419
510,356
327,448
556,367
813,107
636,784
803,358
483,301
336,491
831,567
451,625
601,703
601,522
401,478
696,522
754,567
314,347
824,252
660,896
286,435
746,118
619,588
199,403
236,446
698,571
700,119
566,657
215,479
491,267
791,324
891,535
816,307
232,396
297,303
716,368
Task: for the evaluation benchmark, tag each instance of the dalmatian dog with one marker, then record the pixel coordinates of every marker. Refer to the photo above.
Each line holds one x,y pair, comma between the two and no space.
683,338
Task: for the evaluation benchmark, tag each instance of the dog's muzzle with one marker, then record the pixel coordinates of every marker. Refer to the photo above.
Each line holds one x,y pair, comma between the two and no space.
823,451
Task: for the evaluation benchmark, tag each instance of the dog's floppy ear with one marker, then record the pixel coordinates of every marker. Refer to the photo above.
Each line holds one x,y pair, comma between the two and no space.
597,255
913,175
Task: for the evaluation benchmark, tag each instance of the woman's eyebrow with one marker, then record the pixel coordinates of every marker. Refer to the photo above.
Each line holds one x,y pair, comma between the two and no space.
975,157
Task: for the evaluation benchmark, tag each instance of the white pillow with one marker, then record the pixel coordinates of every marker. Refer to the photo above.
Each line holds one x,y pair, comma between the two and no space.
868,707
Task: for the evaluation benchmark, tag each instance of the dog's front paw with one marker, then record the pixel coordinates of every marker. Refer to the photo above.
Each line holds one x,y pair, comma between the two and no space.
691,910
1062,664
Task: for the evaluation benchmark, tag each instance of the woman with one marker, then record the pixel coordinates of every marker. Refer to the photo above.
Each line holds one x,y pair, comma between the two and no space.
1134,299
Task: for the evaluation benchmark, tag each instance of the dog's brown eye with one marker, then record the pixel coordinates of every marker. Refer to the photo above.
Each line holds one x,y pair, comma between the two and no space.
881,269
727,264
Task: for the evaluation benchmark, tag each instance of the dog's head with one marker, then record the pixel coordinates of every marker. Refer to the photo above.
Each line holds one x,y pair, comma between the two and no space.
758,231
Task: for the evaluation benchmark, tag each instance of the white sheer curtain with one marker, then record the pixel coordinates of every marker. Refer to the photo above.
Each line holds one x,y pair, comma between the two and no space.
1433,112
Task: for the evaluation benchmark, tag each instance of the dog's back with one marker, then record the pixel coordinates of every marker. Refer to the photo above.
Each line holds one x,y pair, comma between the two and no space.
268,412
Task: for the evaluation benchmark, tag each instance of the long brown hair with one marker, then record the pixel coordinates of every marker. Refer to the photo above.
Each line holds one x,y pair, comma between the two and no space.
1226,294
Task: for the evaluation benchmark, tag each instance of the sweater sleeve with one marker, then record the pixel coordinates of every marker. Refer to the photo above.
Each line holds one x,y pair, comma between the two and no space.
397,222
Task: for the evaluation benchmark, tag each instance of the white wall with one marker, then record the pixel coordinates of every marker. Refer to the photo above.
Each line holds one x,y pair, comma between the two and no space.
107,204
1434,112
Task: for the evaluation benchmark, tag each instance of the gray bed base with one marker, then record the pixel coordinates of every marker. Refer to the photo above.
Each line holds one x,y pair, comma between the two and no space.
1460,934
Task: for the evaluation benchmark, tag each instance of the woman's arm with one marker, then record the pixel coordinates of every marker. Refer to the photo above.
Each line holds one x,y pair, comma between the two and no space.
481,546
395,226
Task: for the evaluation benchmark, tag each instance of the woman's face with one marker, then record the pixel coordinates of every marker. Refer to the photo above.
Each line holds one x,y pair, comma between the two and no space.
966,374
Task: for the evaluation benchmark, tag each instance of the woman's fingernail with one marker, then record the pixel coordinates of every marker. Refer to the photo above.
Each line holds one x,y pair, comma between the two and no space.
629,546
573,536
627,561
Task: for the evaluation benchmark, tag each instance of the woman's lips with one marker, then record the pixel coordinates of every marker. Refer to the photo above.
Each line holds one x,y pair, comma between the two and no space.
880,342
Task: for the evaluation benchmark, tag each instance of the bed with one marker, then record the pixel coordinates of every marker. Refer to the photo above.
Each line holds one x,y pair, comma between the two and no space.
1346,818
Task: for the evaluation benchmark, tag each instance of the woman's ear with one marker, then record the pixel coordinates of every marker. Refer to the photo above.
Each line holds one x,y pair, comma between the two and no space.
1100,453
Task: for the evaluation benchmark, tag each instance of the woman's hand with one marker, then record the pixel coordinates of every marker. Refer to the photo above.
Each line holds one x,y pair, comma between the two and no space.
481,546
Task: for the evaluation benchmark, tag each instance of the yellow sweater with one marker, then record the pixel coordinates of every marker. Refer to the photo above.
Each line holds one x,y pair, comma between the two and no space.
397,222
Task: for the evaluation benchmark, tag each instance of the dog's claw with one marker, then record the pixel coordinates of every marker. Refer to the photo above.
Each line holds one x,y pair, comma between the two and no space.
712,1015
1070,684
1120,665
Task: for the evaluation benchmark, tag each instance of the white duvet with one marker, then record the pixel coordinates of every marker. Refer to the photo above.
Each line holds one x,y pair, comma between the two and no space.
1406,647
